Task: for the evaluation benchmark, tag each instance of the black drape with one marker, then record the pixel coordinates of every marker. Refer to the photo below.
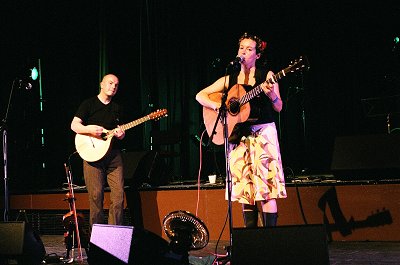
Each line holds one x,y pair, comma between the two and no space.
164,52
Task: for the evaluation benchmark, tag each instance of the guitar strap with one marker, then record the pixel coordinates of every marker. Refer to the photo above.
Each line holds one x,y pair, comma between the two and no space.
242,129
233,78
260,75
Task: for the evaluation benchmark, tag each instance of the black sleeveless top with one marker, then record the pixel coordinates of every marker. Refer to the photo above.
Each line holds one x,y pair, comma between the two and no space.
261,110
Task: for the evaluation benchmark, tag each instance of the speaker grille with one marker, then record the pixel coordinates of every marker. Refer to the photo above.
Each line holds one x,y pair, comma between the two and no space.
12,238
280,245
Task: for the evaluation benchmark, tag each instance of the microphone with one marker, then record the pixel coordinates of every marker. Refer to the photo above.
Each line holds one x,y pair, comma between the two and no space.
396,42
23,84
238,59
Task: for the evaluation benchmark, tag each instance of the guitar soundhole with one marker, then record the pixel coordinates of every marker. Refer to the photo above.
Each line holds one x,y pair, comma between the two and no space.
104,136
233,106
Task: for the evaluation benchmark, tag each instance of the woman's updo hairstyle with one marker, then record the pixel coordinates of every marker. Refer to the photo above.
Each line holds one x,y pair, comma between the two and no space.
260,44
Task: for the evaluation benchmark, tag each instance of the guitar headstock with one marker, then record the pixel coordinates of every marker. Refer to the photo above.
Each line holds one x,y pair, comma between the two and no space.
158,114
379,218
298,65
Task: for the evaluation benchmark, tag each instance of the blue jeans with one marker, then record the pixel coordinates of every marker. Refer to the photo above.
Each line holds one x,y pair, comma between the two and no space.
109,168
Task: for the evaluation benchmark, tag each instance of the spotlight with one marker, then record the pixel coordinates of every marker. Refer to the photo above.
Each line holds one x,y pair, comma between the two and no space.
34,73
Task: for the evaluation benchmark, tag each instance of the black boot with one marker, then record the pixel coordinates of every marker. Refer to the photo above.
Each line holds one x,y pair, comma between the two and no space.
250,218
270,219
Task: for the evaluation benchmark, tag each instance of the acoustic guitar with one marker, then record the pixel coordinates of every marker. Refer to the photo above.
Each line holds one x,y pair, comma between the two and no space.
238,106
92,148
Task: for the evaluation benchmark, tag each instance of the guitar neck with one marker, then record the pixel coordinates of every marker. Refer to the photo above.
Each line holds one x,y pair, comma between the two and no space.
258,89
135,123
154,115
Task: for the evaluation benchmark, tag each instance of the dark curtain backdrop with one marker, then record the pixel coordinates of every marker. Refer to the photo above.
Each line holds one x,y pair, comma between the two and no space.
164,52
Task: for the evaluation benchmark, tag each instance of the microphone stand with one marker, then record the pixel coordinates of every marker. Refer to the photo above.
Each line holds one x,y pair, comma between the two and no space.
5,158
223,116
303,120
6,196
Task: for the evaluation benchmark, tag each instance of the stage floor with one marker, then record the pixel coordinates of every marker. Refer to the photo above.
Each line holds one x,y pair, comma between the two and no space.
339,252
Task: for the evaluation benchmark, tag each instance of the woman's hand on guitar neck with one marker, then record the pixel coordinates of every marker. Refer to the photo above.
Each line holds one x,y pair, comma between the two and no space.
268,90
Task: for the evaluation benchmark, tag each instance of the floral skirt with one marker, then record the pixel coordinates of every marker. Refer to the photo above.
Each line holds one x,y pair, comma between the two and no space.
256,167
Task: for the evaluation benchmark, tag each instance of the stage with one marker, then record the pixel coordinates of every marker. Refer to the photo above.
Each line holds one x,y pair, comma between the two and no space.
356,210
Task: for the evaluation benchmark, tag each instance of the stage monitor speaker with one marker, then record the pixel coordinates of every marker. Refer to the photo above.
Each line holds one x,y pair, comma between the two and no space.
144,167
372,156
280,245
19,242
112,244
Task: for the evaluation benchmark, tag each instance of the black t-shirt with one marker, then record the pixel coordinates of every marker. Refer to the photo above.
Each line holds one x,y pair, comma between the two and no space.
93,112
